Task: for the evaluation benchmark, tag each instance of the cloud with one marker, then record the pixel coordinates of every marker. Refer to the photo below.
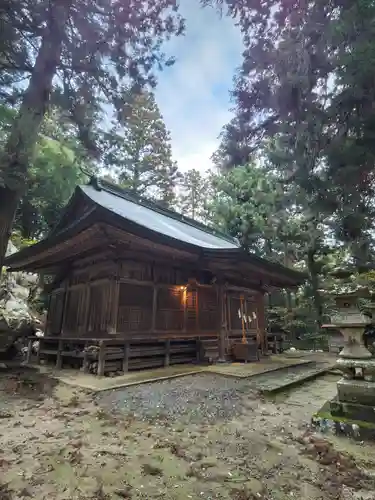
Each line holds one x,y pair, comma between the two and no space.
193,95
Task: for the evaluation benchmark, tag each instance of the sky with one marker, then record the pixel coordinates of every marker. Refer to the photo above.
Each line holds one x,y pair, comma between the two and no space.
193,94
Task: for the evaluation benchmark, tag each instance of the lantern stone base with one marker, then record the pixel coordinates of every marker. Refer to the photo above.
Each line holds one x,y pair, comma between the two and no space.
356,392
346,419
352,368
352,411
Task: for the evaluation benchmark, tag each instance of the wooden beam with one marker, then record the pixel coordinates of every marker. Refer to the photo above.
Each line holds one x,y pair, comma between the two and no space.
101,358
29,350
142,243
242,289
65,307
222,324
154,308
262,322
86,362
84,261
125,361
229,322
115,304
240,269
48,318
87,307
167,358
63,251
39,350
59,355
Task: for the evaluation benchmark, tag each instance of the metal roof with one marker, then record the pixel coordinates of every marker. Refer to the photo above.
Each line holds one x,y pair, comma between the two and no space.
143,213
163,221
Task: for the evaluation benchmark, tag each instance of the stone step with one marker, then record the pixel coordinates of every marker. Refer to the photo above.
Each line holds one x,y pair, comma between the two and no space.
284,378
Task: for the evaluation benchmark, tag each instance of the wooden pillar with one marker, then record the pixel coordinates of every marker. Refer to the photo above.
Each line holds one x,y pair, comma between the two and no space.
59,355
65,309
222,324
115,305
48,318
85,325
86,364
262,322
228,311
39,350
101,358
167,357
125,360
154,308
186,298
29,350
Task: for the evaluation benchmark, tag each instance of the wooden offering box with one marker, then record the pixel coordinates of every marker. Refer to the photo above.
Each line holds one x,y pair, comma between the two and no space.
245,352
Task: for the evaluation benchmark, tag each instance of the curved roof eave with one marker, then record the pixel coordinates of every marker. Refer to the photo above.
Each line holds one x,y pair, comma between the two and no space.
68,231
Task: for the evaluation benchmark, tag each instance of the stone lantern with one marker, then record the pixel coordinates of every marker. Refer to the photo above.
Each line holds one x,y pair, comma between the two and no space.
351,323
352,410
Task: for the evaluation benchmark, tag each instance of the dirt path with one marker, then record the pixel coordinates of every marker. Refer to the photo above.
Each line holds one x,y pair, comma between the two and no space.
197,437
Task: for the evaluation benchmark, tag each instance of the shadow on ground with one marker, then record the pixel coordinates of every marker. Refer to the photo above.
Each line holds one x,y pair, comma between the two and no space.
18,381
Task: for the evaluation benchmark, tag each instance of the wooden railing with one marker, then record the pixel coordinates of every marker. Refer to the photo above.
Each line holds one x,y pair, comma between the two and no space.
103,356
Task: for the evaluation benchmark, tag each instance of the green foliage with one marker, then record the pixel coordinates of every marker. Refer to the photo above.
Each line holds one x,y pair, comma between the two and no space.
138,150
20,242
304,104
77,56
307,86
272,219
247,206
194,196
53,174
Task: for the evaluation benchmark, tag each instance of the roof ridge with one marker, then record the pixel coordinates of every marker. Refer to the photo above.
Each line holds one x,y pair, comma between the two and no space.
126,194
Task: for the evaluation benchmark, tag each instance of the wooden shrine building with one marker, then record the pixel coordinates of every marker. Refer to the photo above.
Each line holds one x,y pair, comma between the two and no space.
136,285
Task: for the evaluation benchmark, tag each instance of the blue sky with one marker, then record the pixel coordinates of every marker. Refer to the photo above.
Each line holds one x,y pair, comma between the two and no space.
193,95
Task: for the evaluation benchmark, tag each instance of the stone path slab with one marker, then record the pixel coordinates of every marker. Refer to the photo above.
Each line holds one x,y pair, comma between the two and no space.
93,383
287,377
266,365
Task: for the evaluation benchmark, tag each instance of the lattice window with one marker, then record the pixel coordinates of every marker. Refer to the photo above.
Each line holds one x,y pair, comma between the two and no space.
209,313
135,307
170,308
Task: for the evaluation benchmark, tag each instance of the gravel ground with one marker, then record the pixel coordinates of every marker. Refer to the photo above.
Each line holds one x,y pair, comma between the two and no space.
194,398
195,437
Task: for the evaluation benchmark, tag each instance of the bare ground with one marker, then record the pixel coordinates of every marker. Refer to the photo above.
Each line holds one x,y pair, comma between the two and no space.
196,437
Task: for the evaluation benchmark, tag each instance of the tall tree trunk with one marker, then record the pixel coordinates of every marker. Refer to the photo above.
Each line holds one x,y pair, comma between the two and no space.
26,219
8,207
193,202
361,253
314,280
18,150
288,294
268,248
136,180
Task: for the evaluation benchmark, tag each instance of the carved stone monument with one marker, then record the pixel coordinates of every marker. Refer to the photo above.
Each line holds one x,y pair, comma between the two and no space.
352,411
